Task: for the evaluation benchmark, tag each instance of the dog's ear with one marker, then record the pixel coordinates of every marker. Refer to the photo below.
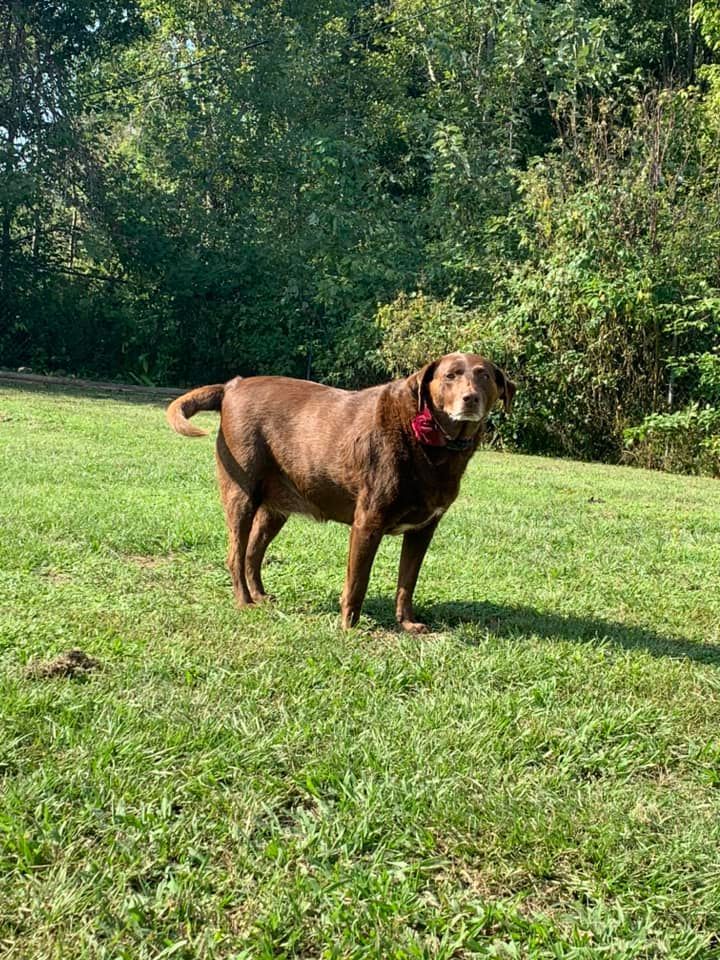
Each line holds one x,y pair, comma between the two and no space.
506,388
418,381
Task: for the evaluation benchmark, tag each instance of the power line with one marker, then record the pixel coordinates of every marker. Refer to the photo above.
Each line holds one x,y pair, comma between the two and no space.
393,23
53,268
165,73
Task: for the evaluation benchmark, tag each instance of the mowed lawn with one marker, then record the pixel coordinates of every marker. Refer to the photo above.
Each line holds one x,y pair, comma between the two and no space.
539,777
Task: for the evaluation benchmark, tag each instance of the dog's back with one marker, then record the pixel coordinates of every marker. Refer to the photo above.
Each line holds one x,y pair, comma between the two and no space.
301,444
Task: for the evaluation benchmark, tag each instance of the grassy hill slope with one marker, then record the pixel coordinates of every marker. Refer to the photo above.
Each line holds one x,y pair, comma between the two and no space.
537,778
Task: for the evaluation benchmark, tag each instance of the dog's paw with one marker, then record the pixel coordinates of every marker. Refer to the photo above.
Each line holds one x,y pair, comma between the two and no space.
263,598
242,602
412,626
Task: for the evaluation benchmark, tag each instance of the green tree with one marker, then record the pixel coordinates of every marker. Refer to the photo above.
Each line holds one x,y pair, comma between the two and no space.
43,48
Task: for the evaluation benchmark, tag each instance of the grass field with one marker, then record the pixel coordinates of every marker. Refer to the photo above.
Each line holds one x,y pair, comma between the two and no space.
539,777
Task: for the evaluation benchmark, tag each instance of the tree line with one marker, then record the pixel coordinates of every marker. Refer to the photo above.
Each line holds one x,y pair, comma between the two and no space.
193,189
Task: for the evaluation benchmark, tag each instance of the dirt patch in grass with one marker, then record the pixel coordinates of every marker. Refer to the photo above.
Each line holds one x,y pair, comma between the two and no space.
531,895
149,561
71,663
55,576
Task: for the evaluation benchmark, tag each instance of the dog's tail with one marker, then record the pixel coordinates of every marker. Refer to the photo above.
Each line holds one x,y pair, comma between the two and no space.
186,406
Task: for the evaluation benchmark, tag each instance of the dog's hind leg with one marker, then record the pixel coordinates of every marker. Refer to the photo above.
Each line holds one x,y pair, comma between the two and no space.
266,526
237,473
239,513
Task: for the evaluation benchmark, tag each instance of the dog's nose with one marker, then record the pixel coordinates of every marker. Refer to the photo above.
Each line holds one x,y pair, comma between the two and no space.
470,398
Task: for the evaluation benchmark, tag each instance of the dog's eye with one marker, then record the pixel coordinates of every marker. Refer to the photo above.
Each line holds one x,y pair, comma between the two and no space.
449,376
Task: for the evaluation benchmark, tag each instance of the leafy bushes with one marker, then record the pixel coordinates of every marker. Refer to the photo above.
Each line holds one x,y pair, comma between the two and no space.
608,310
612,310
687,441
415,327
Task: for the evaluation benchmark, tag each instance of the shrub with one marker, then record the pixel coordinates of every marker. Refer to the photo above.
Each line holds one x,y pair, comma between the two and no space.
612,309
687,441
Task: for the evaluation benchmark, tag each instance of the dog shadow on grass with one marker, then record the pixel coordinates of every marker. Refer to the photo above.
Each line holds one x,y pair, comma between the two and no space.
505,620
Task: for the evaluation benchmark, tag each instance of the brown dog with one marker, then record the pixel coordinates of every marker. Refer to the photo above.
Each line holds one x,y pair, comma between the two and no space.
388,459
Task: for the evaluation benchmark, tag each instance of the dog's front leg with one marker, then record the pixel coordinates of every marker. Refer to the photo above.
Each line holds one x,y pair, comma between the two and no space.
365,536
414,548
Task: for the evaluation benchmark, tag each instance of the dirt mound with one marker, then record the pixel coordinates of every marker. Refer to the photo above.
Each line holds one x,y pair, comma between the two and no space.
71,663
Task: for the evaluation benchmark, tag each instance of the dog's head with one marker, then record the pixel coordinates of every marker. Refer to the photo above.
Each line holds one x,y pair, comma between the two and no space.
463,386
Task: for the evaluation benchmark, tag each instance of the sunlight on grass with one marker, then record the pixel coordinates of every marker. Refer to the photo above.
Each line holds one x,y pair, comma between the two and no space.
537,778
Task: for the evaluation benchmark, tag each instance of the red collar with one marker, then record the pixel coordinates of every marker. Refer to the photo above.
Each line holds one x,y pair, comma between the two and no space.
427,431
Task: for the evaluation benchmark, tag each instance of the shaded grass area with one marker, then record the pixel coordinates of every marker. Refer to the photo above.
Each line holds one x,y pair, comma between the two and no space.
537,778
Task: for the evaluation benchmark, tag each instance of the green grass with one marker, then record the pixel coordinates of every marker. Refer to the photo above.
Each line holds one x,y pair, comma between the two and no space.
540,777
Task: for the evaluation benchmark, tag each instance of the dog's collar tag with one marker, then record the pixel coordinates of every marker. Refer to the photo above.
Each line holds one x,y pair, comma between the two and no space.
427,431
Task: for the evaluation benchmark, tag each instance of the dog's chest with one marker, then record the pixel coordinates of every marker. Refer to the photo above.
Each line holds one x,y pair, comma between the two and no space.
422,500
416,520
